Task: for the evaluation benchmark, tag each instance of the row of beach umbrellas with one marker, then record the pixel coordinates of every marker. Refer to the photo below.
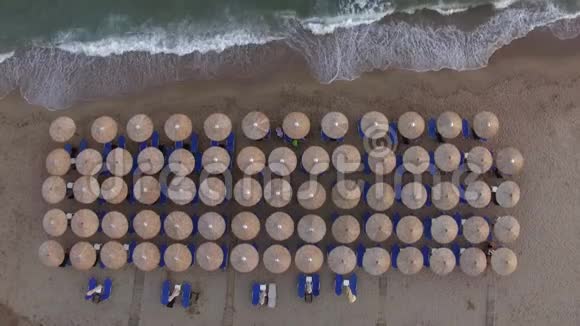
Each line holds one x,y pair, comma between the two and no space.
296,125
280,226
277,259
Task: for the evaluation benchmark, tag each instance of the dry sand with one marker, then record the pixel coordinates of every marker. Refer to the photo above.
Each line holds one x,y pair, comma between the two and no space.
536,94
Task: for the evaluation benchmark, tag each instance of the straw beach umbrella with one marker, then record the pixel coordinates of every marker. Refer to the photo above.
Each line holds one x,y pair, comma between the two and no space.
181,190
416,160
147,224
311,228
374,125
506,229
115,225
86,190
89,162
410,260
215,160
62,129
58,162
178,225
84,223
278,193
255,125
311,195
509,161
244,258
442,261
53,189
209,256
341,260
113,255
507,194
181,162
485,124
315,160
379,227
247,192
382,160
475,229
139,128
380,196
409,229
346,194
504,261
479,160
444,229
334,125
104,129
282,161
217,126
119,162
147,190
177,257
245,226
211,226
150,160
449,124
55,222
411,125
478,194
178,127
277,259
279,226
296,125
308,259
447,157
414,195
346,159
146,256
83,256
345,229
445,196
251,160
472,261
376,261
212,191
114,190
51,253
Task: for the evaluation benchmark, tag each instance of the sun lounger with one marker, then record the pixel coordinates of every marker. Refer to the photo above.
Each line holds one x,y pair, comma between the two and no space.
84,144
155,139
255,293
165,292
360,252
162,249
426,254
121,142
185,295
366,166
432,128
393,133
395,249
427,228
465,129
226,259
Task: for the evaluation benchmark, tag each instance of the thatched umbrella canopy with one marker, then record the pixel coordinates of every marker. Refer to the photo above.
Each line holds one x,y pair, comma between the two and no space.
416,160
244,258
374,125
309,259
147,190
444,229
62,129
53,189
346,194
296,125
277,259
178,127
473,261
255,125
51,253
311,195
55,222
345,229
315,160
181,162
113,255
311,228
139,128
211,226
479,160
245,226
414,195
475,229
251,160
376,261
449,124
409,229
411,125
341,260
209,256
58,162
83,256
279,226
178,225
507,194
146,256
217,126
379,227
380,196
282,161
334,125
89,162
84,223
442,261
86,190
478,194
485,124
509,161
177,257
504,261
346,158
114,190
212,191
278,193
181,190
119,162
115,225
447,157
215,160
247,192
410,260
147,224
382,160
445,196
506,229
150,160
104,129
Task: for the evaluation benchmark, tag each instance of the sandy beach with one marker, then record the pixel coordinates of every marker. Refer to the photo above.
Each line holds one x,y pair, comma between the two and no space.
532,85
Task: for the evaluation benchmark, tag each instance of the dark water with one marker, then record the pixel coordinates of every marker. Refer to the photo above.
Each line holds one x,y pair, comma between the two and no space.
59,52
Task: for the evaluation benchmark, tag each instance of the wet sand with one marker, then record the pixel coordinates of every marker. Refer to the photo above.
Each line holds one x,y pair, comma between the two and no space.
532,86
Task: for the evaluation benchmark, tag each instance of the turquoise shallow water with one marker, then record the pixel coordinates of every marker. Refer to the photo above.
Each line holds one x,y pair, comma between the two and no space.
59,52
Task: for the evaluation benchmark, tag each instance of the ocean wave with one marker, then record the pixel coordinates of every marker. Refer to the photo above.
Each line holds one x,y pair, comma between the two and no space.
6,56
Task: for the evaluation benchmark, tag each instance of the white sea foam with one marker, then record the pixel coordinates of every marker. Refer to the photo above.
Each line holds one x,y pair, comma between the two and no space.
6,56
